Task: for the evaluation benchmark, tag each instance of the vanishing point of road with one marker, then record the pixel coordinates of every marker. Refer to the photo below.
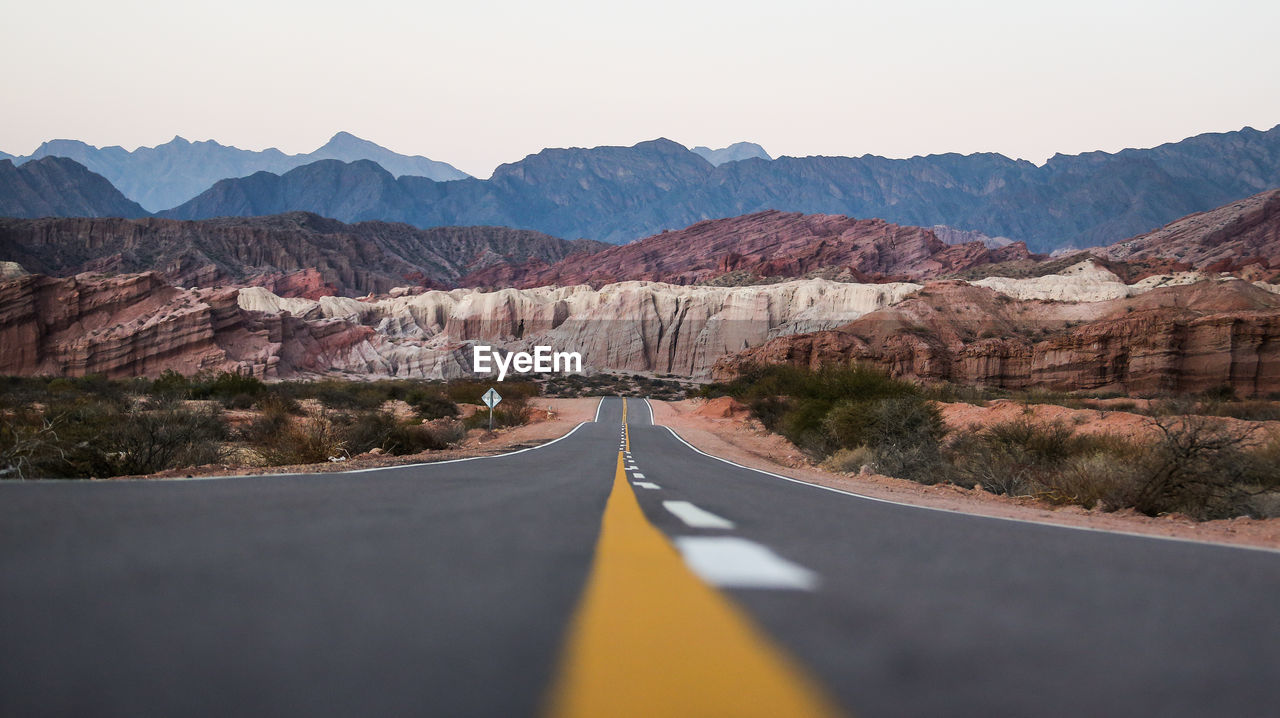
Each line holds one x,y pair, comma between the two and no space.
617,572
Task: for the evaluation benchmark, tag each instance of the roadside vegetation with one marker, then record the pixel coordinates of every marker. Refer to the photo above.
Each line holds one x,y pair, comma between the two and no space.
96,427
668,388
852,419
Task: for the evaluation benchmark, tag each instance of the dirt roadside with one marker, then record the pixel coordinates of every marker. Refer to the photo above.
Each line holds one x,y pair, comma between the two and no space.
552,419
740,439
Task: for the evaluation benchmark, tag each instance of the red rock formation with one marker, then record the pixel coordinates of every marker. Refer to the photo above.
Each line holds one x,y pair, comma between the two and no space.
766,244
1235,237
304,284
136,325
1170,340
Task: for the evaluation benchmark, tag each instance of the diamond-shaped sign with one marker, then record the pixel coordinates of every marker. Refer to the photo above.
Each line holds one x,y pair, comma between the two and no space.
491,398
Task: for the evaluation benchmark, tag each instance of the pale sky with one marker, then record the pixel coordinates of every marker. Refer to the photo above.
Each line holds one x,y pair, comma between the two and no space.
476,83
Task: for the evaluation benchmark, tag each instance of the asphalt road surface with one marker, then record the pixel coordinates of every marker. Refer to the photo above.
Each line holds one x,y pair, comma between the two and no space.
529,584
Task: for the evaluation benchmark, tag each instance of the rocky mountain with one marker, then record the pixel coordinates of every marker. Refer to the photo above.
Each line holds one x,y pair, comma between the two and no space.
1242,237
732,153
137,325
618,194
951,235
764,246
349,148
355,259
1150,340
1082,329
169,174
58,187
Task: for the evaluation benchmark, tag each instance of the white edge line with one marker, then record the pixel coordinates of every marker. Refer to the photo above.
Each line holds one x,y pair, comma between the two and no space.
598,408
1200,542
651,421
314,473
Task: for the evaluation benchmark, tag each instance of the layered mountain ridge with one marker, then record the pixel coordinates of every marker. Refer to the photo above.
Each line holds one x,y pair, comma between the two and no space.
169,174
618,194
56,186
338,258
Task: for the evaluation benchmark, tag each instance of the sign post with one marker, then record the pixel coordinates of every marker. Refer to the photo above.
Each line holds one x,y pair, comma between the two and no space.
491,399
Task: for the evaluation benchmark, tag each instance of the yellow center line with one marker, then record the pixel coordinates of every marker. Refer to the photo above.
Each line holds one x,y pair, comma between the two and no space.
650,639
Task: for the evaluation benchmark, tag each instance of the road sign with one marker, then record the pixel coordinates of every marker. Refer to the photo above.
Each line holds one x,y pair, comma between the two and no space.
491,399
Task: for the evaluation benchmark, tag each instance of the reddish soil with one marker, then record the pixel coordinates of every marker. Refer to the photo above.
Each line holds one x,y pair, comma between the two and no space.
551,419
745,441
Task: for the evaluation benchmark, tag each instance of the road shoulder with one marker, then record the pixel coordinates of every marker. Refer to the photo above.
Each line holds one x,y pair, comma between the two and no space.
743,441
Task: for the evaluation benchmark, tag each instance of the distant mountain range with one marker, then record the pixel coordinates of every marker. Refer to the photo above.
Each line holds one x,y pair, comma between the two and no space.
172,173
618,194
332,257
732,153
59,187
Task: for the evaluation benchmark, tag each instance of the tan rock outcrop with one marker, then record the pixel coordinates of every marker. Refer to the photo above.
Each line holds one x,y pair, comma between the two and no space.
1171,340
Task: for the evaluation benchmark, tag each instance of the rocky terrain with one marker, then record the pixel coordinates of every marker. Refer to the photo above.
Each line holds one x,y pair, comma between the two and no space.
136,325
764,246
1241,237
169,174
58,187
701,302
1162,335
297,254
618,194
1153,338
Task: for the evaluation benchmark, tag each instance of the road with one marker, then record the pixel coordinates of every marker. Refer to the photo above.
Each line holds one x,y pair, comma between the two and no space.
613,572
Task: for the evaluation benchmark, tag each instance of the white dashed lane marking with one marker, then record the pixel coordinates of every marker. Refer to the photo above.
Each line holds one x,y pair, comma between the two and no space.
734,562
696,517
646,485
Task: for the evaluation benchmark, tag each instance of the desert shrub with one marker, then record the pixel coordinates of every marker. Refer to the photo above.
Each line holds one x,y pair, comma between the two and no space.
1246,410
469,391
1012,458
449,431
796,401
1099,479
848,461
30,446
1197,466
380,430
106,432
431,404
512,411
277,402
147,441
410,438
347,395
305,440
171,384
228,387
906,435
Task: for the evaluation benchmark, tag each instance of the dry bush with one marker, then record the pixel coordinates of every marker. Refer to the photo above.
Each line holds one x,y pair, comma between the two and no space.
449,431
1013,458
1101,480
144,441
1198,466
849,461
304,440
